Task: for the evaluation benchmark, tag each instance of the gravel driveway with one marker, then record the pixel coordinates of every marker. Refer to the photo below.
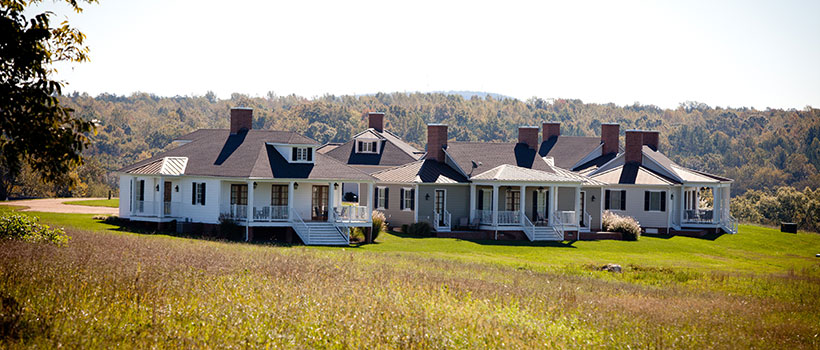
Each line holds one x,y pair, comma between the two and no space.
55,205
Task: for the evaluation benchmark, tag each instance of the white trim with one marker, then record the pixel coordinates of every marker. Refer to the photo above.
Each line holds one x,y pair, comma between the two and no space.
380,190
407,191
650,210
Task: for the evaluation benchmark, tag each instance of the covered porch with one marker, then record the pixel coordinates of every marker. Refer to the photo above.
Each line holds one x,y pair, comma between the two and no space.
706,205
262,202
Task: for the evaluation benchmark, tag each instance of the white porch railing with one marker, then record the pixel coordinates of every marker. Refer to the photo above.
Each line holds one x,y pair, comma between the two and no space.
153,209
234,211
443,219
559,222
699,216
729,222
484,217
529,227
587,224
299,225
509,217
351,213
565,217
343,231
271,213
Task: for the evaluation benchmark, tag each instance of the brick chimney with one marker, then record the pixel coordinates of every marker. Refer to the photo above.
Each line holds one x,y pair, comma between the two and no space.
551,129
634,146
528,135
436,141
651,138
375,120
241,118
609,138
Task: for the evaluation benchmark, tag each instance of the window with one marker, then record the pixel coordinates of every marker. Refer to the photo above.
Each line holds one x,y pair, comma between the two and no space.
408,199
302,154
279,195
615,200
197,193
654,201
239,194
381,198
141,190
485,199
513,200
367,146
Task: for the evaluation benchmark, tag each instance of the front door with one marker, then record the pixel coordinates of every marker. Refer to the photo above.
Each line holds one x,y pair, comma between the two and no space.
319,203
440,205
166,200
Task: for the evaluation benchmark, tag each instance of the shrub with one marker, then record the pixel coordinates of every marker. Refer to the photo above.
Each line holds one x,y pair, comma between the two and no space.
356,234
626,225
379,224
419,229
230,229
27,228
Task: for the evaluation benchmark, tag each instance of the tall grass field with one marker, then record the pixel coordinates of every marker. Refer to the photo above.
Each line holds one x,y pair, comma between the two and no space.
113,289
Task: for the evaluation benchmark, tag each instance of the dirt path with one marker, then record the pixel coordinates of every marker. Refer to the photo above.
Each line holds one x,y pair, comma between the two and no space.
55,205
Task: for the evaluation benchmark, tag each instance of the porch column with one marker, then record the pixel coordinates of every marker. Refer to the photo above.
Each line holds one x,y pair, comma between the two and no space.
682,201
522,204
416,203
290,200
716,195
495,205
330,212
249,210
161,199
472,203
578,213
369,201
551,200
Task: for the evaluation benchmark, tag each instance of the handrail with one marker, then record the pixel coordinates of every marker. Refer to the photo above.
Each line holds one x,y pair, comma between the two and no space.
558,225
447,218
529,227
588,219
438,217
339,229
300,225
729,221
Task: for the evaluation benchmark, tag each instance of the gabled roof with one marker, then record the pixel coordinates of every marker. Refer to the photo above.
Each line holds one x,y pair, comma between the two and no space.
328,147
568,150
508,172
682,173
393,151
421,171
632,174
163,166
489,155
217,152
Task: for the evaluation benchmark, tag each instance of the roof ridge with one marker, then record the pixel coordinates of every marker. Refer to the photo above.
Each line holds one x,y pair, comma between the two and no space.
398,166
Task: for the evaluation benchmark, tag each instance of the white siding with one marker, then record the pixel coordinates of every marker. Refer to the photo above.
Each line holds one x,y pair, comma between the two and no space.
635,207
208,213
125,195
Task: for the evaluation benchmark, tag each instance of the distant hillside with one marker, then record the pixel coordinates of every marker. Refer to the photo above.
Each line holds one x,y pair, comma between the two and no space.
758,148
469,94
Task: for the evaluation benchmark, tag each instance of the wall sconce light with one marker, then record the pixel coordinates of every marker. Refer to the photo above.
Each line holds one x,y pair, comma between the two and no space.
295,185
176,188
540,188
157,188
336,186
671,196
427,197
254,185
593,198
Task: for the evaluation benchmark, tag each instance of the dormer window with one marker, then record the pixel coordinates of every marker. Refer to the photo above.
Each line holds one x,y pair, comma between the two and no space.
368,146
302,154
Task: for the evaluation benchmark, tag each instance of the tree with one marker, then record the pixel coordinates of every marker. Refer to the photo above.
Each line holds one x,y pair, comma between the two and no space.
34,127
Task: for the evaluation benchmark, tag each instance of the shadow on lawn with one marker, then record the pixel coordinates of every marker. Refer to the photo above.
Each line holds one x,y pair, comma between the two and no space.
505,242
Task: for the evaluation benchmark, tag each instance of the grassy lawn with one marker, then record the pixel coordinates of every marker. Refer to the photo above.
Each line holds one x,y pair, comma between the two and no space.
110,288
111,203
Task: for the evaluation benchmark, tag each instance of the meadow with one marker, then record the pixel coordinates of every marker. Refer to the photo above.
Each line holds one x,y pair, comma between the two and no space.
112,288
110,203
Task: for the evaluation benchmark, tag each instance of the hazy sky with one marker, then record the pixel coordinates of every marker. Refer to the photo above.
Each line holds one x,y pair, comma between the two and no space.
726,53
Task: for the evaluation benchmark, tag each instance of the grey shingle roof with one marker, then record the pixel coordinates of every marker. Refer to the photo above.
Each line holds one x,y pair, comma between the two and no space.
633,174
568,150
421,171
394,151
215,152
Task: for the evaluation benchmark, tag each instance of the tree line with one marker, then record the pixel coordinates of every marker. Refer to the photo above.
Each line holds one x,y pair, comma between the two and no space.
760,148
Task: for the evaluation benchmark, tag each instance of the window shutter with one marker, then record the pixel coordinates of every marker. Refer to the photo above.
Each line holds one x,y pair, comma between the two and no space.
623,200
386,198
142,190
480,199
310,154
293,154
663,200
193,193
646,196
361,146
606,200
412,199
203,192
535,204
401,199
376,197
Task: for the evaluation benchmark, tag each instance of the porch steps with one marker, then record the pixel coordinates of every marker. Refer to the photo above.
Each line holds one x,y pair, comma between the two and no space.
546,233
324,233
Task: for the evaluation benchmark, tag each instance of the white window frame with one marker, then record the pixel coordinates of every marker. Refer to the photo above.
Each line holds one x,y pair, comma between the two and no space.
408,200
660,199
301,154
199,194
380,199
488,199
616,193
367,146
507,195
